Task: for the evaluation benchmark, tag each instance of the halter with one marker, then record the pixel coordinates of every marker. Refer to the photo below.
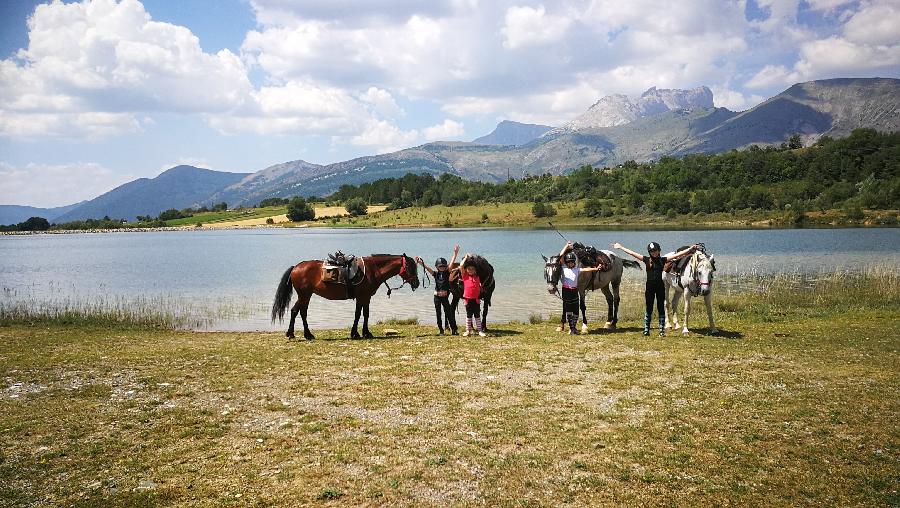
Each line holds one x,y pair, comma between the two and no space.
695,274
402,274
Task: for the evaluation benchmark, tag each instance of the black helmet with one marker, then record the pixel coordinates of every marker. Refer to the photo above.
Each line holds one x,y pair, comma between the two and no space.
440,262
652,246
570,257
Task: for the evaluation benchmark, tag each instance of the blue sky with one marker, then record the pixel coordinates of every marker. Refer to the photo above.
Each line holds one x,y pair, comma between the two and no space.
94,94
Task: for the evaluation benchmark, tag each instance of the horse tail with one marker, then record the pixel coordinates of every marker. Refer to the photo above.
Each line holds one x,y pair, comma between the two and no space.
628,263
282,296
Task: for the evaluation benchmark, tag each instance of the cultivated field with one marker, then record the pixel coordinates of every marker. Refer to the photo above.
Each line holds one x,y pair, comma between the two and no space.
795,404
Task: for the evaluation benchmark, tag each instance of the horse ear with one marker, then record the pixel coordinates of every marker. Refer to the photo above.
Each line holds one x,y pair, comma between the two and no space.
545,258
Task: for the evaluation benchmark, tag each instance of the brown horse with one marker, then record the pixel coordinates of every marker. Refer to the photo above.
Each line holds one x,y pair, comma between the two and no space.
306,279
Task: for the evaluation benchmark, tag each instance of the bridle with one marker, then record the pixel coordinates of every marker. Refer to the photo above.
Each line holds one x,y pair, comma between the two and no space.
552,274
697,287
405,274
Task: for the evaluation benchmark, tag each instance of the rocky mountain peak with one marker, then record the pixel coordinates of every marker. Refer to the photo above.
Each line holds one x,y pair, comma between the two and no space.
618,109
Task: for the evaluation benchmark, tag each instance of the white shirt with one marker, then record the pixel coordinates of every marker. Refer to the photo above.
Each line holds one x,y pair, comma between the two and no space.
570,277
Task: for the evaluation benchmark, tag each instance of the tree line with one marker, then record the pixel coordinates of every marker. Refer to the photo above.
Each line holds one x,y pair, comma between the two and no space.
859,171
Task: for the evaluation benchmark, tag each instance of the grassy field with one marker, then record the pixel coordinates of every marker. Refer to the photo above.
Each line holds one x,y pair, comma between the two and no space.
795,404
519,215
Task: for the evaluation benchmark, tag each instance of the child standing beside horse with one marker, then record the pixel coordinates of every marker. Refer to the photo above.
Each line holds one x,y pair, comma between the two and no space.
570,296
656,288
442,278
472,286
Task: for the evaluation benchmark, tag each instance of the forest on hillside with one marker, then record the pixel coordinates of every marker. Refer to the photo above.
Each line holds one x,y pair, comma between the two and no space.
859,171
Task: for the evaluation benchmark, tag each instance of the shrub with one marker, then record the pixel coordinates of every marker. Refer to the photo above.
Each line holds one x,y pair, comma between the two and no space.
299,210
270,220
541,209
356,206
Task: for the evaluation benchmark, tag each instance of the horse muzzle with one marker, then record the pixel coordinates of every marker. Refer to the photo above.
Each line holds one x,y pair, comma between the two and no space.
552,289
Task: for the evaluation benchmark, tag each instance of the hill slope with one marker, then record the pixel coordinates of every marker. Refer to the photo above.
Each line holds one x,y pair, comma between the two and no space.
178,187
513,133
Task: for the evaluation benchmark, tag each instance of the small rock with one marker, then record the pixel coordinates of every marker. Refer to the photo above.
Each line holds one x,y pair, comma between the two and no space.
390,331
145,485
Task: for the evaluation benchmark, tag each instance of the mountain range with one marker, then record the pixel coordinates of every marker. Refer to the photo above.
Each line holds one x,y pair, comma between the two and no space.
614,130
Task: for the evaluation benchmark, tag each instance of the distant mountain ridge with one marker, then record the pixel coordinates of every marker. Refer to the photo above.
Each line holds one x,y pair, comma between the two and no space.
614,130
14,214
178,187
508,132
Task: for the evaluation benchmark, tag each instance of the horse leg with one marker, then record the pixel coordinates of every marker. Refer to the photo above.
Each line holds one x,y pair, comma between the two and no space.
687,314
582,303
712,323
484,313
609,307
673,308
294,310
366,333
304,307
354,333
668,306
616,300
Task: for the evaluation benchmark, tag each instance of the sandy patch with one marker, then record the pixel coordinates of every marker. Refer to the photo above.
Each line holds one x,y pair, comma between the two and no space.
329,211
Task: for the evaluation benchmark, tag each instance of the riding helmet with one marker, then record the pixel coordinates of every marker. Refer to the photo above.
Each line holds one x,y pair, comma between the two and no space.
440,262
652,246
570,257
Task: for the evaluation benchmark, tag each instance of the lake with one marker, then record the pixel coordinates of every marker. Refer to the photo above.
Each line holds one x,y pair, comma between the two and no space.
231,275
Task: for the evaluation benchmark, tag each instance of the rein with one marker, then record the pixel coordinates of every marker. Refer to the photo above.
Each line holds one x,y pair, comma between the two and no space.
402,275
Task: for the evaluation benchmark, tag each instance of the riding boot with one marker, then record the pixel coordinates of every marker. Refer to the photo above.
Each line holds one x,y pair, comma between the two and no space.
662,326
478,326
572,319
646,323
468,327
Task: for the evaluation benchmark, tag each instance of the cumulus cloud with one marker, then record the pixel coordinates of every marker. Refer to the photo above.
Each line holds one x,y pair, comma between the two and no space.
31,184
445,130
530,26
90,67
867,44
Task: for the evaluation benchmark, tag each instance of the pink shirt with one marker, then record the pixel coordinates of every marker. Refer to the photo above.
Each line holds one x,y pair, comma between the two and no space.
471,286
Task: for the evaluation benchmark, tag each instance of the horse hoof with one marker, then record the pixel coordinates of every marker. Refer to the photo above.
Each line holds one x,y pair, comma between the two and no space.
609,325
559,328
584,328
714,332
368,335
685,332
289,335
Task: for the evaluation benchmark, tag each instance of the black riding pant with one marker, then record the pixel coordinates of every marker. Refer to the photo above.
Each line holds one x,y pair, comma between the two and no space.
657,290
570,306
444,302
473,308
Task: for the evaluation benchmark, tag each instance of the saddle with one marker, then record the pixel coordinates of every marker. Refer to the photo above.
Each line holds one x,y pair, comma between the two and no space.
340,268
590,256
677,266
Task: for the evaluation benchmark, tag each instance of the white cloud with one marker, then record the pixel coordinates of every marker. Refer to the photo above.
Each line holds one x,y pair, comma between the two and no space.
384,137
48,185
90,68
725,97
529,26
444,131
875,24
772,75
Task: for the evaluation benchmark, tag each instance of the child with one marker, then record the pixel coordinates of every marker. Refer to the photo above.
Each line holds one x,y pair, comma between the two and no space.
569,281
471,294
655,286
441,276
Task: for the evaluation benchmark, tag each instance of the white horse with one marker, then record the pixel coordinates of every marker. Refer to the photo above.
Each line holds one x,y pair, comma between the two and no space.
591,281
693,279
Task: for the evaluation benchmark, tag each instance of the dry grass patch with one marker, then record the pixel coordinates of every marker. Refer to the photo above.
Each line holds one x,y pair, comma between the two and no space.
801,411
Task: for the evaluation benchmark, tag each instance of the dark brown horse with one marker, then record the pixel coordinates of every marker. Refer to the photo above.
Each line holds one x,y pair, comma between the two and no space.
306,279
488,285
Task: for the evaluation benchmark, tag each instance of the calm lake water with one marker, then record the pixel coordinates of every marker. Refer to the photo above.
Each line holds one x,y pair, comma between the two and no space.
232,274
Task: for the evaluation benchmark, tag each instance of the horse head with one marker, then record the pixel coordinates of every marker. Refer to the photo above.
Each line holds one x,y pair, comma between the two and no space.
552,272
703,272
409,271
